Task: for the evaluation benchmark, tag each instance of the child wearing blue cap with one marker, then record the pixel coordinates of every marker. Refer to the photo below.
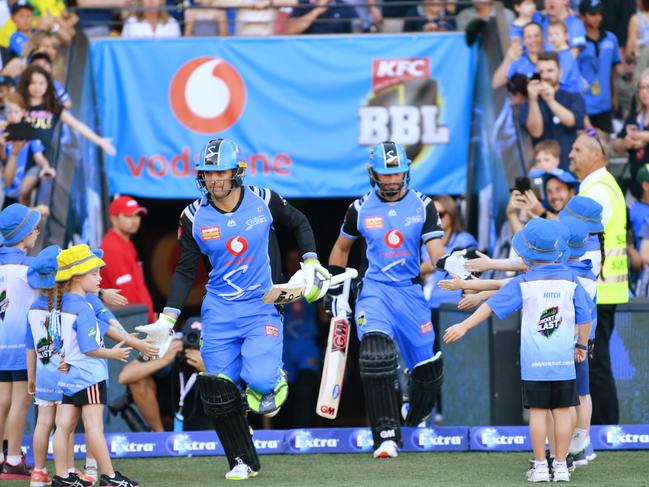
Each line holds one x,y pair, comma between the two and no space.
554,306
19,229
583,268
42,357
83,354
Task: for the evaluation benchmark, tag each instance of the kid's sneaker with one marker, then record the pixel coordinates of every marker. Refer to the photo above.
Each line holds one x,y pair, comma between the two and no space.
117,481
560,472
539,473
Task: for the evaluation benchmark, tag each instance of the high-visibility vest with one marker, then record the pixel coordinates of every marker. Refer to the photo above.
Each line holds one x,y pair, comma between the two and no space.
613,283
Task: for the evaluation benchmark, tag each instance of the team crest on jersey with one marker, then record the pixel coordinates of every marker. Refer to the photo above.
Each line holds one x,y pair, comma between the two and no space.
426,328
360,318
210,233
393,239
549,322
271,331
237,246
45,350
4,304
373,222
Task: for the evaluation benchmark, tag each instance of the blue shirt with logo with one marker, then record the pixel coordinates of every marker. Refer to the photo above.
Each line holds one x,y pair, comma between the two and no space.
39,339
552,302
393,233
596,63
575,26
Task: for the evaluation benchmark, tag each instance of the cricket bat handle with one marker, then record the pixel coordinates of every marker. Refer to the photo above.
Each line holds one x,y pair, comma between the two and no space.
349,274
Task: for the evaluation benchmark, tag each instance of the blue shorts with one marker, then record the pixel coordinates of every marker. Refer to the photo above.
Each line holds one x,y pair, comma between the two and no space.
402,313
243,347
583,384
300,355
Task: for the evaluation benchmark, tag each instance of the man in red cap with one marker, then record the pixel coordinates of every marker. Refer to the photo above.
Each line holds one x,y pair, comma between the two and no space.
123,269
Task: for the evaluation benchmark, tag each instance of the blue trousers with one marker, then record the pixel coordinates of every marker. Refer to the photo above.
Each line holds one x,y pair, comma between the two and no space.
402,313
243,342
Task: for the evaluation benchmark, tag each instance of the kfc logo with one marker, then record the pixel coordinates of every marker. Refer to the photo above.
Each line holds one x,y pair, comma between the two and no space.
237,246
207,95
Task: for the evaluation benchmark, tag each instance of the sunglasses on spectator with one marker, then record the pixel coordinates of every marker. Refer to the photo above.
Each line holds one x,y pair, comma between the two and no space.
593,133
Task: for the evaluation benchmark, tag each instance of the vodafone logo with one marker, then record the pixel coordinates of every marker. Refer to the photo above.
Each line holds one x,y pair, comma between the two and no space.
207,95
237,246
393,239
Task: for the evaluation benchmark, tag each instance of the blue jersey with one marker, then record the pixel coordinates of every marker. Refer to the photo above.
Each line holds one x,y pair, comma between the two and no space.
434,295
584,271
393,233
38,339
593,253
80,333
16,296
638,214
242,250
596,63
575,26
102,313
571,79
552,303
516,32
523,65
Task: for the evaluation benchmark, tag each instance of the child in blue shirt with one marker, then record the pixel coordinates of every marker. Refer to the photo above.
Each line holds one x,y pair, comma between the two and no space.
571,79
42,357
525,10
19,230
554,306
83,354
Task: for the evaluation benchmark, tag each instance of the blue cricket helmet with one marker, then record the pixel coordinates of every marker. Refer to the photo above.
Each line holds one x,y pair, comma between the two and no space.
219,155
389,158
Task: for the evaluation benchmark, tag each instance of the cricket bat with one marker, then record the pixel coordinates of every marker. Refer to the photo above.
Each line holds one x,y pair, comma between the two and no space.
333,372
289,292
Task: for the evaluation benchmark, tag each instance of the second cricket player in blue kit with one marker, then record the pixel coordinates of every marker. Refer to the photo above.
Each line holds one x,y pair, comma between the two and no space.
392,221
233,227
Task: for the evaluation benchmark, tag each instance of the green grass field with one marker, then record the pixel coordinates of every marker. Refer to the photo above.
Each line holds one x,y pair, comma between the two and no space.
410,469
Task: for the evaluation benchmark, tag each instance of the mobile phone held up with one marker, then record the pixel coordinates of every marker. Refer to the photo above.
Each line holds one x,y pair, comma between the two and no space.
522,184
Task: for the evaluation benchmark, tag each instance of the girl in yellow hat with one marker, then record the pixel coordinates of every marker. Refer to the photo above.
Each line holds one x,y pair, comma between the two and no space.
83,353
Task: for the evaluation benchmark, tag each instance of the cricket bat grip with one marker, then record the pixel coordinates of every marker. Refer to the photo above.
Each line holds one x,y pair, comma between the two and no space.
349,274
342,301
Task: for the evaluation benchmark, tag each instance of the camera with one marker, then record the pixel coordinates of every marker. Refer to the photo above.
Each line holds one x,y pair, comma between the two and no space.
191,339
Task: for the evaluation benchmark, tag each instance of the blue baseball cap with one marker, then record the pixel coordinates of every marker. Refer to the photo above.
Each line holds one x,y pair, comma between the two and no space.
585,209
540,240
389,158
42,271
16,222
564,176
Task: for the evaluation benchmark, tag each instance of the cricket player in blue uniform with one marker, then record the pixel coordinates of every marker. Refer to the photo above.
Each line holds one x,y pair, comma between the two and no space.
233,227
392,221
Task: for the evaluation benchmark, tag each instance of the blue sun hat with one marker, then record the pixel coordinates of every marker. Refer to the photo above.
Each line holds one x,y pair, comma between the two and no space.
564,234
16,222
585,209
539,241
42,271
578,236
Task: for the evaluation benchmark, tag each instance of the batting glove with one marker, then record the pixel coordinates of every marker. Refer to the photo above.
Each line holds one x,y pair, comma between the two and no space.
317,279
159,332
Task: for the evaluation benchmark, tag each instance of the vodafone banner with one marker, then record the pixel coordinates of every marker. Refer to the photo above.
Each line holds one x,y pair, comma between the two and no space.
305,111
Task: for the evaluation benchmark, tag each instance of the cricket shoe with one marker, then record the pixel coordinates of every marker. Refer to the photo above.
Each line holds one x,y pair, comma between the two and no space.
560,472
70,481
241,471
40,479
539,472
117,481
387,449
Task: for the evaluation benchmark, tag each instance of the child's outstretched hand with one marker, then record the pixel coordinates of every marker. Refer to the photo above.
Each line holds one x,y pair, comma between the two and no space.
480,264
454,333
453,284
118,352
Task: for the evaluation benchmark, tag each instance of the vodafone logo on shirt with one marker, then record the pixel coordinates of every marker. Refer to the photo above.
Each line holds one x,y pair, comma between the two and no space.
207,95
393,239
237,246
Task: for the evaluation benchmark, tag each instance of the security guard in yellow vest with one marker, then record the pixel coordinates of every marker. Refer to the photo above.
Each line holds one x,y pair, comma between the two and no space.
588,161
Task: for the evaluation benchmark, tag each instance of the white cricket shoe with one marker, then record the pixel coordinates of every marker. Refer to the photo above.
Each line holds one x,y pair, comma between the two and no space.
560,472
241,471
387,449
539,473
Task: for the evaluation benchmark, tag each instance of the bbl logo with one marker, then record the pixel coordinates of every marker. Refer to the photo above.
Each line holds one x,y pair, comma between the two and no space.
403,107
549,321
361,440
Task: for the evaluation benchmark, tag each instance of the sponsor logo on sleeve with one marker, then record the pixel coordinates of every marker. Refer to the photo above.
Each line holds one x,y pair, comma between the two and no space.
425,328
271,331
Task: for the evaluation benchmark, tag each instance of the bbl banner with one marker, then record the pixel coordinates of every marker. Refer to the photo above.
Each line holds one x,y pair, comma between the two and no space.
305,111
